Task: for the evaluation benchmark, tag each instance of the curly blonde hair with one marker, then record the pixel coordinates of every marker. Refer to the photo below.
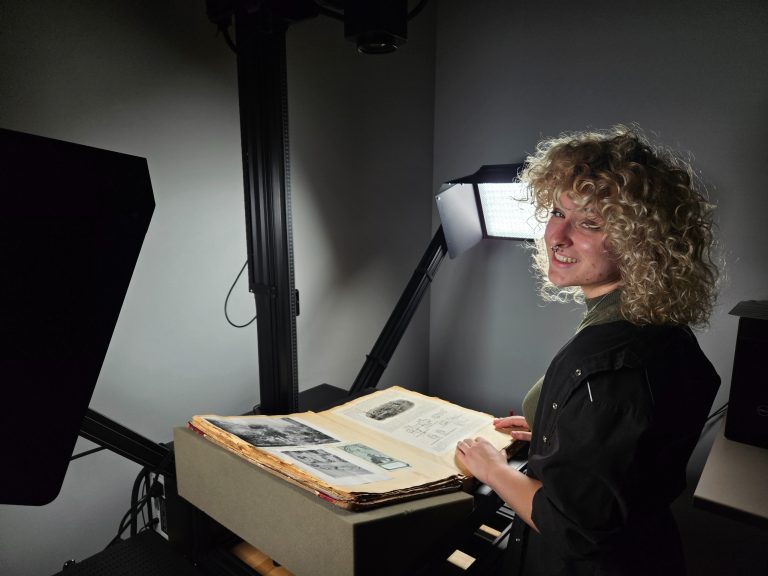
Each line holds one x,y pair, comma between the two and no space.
658,226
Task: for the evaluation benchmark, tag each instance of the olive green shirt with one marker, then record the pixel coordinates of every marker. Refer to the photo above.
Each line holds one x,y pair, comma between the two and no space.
600,310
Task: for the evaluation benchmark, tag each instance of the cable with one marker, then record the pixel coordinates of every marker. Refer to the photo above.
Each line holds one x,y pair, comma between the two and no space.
130,518
143,475
226,301
325,11
144,488
125,523
712,418
224,30
328,12
717,413
146,513
416,9
86,453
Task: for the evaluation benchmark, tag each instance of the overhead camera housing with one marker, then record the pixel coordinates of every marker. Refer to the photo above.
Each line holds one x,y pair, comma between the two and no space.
376,26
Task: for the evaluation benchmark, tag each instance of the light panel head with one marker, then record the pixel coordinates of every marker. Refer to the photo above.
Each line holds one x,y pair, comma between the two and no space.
491,203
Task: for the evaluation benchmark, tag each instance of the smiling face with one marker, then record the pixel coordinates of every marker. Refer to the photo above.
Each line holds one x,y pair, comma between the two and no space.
575,243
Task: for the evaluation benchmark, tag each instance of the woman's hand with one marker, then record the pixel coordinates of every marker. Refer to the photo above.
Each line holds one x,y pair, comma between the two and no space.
480,458
516,426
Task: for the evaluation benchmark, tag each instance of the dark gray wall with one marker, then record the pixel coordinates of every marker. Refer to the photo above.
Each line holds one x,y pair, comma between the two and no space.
151,78
510,73
361,129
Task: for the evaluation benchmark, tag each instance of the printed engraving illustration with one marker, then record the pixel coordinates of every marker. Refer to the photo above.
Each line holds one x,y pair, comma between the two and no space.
389,409
327,463
271,432
374,456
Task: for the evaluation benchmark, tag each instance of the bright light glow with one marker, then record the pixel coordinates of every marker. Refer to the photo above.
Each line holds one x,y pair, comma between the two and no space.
507,211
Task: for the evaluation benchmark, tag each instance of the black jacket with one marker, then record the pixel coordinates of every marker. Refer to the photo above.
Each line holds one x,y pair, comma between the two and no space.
620,411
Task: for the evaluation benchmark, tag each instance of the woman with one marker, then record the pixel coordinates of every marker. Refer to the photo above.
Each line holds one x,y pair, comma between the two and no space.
616,416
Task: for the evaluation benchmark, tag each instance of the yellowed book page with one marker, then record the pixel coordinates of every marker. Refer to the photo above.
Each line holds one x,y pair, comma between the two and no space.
430,425
338,460
340,454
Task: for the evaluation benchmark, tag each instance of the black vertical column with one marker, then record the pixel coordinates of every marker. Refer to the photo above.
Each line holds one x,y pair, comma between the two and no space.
262,85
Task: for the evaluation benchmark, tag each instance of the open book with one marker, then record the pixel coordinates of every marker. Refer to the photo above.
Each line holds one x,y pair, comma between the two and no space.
389,446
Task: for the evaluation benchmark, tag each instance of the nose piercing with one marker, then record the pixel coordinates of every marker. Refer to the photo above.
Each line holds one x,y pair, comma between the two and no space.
555,248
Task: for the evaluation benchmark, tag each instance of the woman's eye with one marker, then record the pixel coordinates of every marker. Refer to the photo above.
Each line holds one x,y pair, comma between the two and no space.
555,213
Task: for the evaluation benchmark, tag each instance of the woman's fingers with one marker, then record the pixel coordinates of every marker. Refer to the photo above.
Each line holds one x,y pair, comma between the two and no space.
511,422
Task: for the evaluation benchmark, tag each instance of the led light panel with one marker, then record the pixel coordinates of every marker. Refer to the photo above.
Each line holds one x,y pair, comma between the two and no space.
508,212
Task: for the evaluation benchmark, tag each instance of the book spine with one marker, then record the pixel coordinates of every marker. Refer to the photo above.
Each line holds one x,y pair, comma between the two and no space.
195,429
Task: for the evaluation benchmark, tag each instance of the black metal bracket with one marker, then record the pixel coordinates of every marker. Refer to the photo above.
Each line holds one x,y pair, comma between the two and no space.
401,316
124,441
